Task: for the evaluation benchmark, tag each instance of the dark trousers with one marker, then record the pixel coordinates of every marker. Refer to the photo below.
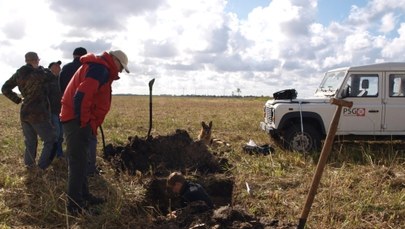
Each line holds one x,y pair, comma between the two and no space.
92,155
77,147
59,134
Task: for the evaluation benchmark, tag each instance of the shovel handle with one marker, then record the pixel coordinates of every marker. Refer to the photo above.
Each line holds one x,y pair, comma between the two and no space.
327,146
341,102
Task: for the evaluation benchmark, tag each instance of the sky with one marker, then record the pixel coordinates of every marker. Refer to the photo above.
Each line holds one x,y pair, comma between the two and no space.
208,47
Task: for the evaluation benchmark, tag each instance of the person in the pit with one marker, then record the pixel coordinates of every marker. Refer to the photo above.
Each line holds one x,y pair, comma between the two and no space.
188,191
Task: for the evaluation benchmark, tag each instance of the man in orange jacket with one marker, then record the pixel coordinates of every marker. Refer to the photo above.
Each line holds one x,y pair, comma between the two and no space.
85,104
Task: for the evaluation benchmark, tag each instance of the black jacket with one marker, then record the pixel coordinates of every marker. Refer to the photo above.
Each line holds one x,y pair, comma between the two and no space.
54,93
194,192
67,72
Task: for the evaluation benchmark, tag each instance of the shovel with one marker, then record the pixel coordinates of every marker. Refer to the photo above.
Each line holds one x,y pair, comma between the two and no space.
323,158
150,107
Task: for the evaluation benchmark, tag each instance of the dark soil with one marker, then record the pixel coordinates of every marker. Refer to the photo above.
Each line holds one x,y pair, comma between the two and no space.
163,154
157,157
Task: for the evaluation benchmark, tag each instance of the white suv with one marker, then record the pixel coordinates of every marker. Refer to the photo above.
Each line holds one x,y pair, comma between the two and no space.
378,95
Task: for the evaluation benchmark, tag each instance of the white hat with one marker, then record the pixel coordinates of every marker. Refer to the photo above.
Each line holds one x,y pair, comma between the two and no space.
122,57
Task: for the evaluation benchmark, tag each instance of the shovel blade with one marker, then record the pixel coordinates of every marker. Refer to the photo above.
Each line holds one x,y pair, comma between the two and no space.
151,82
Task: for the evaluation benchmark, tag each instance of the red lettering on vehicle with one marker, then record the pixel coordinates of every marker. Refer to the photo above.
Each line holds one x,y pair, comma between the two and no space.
354,111
361,112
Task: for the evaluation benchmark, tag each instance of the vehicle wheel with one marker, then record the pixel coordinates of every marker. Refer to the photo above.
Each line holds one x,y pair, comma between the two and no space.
295,140
275,137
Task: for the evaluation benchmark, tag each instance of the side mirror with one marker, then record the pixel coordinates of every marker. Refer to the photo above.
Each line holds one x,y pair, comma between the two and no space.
345,92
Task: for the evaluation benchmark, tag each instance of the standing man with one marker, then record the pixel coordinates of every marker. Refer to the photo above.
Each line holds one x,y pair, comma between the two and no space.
55,97
85,103
66,74
35,115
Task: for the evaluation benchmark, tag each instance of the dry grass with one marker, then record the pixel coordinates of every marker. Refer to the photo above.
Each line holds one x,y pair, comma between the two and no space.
363,186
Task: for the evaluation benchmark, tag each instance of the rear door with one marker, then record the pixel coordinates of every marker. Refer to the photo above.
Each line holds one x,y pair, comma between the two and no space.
394,103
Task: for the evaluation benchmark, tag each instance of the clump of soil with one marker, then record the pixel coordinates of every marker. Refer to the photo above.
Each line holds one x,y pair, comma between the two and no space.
196,215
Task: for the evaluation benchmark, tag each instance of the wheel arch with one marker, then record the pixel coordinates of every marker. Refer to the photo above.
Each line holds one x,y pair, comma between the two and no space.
311,118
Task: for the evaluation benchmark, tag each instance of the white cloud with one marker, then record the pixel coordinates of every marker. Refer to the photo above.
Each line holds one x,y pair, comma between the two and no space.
387,23
357,42
395,48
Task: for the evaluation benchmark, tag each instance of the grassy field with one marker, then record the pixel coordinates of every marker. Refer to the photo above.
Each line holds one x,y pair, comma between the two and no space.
363,185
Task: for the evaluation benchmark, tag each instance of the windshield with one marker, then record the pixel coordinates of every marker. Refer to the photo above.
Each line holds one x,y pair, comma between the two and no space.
331,82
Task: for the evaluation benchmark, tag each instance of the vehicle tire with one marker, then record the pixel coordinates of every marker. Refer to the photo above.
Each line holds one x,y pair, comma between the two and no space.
275,137
295,140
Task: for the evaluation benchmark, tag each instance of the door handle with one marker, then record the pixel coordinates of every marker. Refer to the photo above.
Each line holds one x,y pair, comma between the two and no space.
373,111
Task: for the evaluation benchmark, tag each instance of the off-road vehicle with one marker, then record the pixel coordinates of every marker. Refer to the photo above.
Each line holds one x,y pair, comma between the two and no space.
378,95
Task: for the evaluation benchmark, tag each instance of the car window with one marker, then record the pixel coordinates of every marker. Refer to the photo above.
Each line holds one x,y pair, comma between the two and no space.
362,85
397,85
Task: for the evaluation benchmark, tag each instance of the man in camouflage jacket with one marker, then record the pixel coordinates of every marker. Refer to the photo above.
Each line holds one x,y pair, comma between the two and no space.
35,115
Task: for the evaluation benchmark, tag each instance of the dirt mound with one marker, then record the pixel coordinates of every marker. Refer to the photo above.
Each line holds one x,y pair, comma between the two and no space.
163,154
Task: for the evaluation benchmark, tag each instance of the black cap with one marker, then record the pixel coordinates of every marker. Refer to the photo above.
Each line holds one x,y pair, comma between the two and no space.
80,51
52,63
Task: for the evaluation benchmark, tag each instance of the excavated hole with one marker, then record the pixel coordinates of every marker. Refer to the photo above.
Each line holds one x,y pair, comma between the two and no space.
218,186
158,156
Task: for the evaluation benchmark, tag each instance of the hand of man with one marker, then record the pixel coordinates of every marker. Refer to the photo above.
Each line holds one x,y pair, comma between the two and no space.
172,215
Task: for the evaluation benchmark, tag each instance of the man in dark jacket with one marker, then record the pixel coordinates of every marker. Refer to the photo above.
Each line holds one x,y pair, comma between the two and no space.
31,80
55,97
85,103
70,68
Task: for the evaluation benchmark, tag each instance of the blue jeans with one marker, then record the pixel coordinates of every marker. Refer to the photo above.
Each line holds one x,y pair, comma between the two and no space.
47,134
59,134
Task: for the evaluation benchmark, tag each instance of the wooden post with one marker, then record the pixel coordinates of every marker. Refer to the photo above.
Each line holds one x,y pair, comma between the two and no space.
323,158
